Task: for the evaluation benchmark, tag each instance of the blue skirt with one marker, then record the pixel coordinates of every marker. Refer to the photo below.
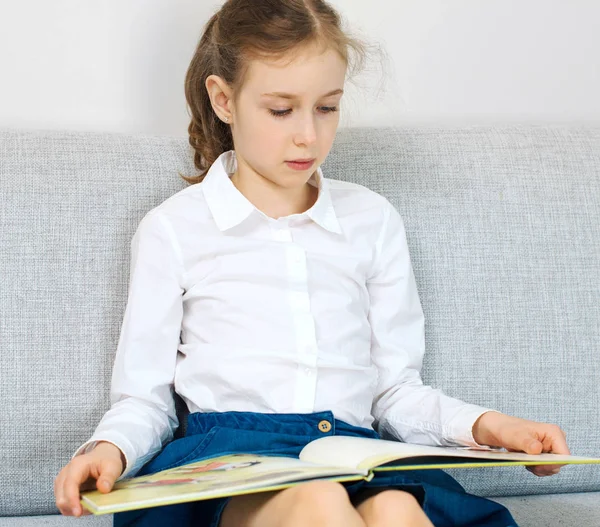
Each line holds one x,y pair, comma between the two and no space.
442,498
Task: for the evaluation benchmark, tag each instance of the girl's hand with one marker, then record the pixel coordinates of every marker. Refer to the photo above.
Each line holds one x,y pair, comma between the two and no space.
97,469
521,435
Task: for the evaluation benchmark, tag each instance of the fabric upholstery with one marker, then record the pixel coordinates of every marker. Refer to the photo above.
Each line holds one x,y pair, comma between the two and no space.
555,510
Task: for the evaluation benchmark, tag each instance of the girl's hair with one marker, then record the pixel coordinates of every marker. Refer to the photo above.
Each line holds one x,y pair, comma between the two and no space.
245,30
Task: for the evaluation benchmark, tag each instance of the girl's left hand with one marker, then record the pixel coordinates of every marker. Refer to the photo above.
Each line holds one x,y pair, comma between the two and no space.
521,435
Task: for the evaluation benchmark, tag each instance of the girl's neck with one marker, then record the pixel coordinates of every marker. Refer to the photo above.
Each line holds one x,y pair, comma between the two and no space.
273,200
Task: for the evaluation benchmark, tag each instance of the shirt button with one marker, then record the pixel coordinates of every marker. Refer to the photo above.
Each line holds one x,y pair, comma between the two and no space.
324,426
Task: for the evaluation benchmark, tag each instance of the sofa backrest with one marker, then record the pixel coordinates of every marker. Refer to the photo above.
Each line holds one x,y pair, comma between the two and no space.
503,228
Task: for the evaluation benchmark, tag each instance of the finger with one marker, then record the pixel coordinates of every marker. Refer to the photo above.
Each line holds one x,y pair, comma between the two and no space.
527,443
78,474
109,472
537,472
64,505
559,443
58,482
543,470
551,468
543,474
59,492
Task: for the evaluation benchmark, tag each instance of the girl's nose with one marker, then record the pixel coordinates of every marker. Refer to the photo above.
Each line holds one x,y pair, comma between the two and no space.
307,133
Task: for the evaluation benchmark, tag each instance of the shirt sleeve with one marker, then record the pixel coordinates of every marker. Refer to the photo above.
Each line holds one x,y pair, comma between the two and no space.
404,408
142,415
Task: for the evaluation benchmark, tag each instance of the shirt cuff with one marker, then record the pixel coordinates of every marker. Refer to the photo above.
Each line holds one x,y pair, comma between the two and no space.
462,425
88,446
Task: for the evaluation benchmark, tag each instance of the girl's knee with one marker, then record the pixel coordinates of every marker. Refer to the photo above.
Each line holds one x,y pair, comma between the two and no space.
318,500
320,493
313,503
389,506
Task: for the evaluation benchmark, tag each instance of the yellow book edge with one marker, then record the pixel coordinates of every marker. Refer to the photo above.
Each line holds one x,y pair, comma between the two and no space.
184,498
481,465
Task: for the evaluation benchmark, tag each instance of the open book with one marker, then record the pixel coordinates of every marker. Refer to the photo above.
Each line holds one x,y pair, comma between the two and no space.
337,458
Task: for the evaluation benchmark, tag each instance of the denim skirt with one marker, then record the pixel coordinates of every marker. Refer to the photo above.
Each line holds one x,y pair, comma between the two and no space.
442,498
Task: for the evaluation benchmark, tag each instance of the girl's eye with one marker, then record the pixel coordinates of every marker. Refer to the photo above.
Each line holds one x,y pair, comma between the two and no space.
283,113
279,113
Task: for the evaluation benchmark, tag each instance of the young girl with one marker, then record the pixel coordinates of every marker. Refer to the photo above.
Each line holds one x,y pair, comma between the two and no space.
280,305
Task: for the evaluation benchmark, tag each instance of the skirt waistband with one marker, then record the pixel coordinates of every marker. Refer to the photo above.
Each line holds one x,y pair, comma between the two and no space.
315,424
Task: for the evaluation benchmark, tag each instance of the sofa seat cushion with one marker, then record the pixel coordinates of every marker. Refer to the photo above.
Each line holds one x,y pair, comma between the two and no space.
57,520
558,510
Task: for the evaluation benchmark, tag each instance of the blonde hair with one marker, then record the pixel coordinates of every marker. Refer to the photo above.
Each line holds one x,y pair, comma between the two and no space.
245,30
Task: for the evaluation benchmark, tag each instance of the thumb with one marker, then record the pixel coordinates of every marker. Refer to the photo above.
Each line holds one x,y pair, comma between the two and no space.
529,444
109,472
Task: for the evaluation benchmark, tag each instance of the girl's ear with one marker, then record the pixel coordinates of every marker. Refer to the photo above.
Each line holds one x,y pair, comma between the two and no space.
220,95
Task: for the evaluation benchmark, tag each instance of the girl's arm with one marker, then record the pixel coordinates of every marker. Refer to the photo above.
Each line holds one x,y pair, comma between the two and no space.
403,407
142,417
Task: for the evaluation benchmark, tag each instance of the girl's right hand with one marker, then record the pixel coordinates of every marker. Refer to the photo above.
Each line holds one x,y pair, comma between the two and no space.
97,469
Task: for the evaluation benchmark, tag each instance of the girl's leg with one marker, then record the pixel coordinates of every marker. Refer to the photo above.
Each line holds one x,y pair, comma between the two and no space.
392,507
315,503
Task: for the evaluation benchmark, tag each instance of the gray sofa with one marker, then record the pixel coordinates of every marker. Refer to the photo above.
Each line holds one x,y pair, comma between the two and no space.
503,224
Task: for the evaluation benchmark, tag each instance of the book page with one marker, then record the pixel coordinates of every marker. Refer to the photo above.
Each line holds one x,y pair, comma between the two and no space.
366,453
210,478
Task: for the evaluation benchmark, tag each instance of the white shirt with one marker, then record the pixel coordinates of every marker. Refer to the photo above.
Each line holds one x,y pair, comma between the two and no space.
306,313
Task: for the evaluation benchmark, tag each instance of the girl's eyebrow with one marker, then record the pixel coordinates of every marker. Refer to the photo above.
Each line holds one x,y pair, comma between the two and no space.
293,96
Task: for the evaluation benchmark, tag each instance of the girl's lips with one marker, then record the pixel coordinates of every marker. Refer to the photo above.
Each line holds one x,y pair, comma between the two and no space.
300,165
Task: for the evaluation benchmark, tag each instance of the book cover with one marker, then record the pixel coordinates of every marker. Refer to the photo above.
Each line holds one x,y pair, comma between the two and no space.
337,458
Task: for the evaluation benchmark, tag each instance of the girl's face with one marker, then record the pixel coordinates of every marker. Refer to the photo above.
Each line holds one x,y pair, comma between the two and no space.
287,112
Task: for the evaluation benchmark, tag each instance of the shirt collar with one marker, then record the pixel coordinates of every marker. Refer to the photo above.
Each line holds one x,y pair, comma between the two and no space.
229,207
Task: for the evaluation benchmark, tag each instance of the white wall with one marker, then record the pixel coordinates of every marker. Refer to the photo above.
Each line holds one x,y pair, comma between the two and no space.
119,65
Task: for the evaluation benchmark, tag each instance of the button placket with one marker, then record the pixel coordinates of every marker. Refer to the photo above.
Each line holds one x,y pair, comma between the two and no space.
304,326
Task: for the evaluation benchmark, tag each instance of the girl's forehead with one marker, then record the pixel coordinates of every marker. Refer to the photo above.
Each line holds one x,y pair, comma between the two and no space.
306,72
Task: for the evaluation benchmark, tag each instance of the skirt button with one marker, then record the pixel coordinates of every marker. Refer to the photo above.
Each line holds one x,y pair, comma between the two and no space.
324,426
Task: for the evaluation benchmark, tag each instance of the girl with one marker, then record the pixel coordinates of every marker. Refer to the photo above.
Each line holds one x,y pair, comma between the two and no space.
280,305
